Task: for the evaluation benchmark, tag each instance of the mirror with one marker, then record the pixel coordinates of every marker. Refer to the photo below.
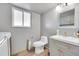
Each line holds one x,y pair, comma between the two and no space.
67,18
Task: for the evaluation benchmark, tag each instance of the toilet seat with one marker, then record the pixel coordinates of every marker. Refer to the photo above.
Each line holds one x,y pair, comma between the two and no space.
38,44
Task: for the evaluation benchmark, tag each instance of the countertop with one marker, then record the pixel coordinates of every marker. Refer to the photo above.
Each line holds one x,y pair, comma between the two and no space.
66,39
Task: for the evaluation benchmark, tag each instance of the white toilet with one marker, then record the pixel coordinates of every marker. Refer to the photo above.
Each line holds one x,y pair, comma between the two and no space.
39,45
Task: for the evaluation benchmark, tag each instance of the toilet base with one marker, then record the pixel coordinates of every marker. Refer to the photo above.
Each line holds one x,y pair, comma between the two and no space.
38,50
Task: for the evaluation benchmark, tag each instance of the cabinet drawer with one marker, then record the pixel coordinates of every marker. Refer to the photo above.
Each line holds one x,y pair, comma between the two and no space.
63,45
66,48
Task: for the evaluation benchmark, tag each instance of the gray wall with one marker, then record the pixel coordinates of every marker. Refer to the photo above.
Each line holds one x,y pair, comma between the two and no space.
19,35
71,30
49,21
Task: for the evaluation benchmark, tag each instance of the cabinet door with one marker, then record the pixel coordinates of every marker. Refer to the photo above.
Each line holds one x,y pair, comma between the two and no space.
4,49
64,48
73,50
54,48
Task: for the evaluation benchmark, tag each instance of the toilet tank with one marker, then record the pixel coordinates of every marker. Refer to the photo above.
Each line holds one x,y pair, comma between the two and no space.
44,39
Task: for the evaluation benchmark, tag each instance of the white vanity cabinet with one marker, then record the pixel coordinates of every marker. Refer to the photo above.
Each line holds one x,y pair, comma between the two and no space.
58,48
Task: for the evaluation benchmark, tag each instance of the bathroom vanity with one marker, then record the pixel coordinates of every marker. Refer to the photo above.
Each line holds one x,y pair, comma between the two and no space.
63,46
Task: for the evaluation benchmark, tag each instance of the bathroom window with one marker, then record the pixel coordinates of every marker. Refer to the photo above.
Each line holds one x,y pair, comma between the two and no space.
21,18
27,17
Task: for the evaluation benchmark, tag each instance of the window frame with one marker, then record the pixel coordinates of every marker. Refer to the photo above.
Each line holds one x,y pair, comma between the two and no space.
22,10
30,18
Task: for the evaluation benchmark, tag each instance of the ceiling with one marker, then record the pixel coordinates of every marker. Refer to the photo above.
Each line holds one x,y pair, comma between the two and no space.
37,7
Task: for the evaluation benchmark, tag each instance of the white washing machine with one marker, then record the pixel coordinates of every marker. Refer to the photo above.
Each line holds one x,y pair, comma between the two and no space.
5,43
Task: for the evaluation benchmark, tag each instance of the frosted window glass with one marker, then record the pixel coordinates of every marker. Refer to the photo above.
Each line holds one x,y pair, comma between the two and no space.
27,19
17,18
